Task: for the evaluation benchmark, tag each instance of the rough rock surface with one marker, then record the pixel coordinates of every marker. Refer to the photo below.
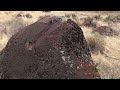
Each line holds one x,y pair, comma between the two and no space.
48,49
106,31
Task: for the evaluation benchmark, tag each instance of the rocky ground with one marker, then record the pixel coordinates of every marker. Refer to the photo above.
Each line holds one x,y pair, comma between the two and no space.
104,45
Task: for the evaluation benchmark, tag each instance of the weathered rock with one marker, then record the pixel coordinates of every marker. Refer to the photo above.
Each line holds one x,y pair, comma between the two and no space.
105,30
48,49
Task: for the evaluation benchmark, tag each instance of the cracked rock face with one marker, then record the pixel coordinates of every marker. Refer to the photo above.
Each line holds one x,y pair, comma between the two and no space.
48,49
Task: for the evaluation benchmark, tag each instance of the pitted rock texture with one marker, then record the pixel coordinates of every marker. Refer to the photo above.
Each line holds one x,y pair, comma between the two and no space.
48,49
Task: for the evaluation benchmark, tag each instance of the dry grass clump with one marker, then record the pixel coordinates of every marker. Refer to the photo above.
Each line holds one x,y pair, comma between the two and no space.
105,52
113,18
96,43
89,22
106,31
14,25
106,68
24,15
95,40
3,40
11,26
109,60
72,16
97,17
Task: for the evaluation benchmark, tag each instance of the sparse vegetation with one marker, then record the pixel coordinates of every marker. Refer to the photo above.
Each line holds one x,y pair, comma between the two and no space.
89,22
113,18
97,17
96,43
28,16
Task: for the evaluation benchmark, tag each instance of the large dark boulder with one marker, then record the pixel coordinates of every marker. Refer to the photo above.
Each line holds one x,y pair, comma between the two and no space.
50,48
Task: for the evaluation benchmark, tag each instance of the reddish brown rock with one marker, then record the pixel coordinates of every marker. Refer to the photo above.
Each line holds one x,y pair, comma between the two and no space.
48,49
106,31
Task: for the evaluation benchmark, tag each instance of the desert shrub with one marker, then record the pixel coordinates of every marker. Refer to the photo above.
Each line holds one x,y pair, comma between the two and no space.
41,17
72,16
105,30
88,22
14,25
28,15
3,40
113,18
96,43
3,36
46,11
67,15
97,17
109,18
20,14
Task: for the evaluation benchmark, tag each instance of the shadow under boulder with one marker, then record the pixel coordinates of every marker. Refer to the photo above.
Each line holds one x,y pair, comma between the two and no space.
48,49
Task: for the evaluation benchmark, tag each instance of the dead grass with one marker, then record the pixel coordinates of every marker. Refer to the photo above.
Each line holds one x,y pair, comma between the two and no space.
96,44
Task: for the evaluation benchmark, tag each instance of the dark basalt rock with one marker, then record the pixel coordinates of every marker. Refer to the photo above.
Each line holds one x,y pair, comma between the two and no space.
106,31
48,49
